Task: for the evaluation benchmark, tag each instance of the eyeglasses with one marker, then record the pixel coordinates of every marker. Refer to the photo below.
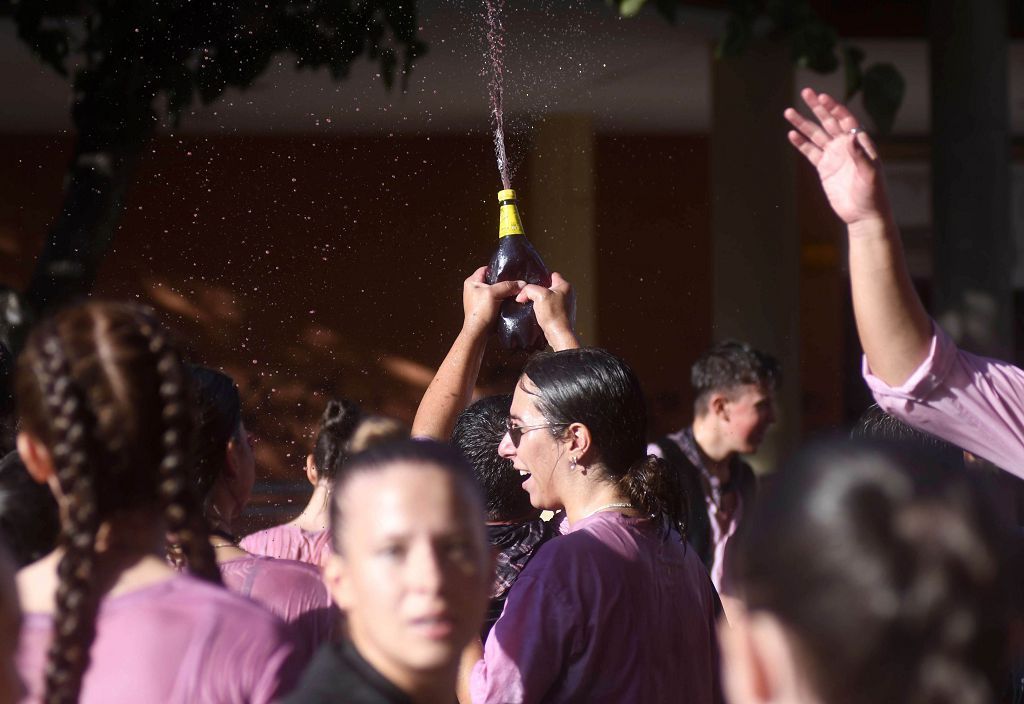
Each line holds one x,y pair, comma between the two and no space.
516,432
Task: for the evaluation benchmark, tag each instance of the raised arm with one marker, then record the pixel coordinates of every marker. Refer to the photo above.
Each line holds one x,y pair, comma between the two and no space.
895,331
451,388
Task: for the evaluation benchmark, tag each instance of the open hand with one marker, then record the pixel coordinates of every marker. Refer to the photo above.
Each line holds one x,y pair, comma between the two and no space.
845,157
481,302
555,309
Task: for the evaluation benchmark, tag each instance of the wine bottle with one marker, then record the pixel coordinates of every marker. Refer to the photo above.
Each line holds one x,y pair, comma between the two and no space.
515,259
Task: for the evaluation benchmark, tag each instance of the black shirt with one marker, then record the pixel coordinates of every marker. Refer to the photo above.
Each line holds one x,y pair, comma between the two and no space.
338,674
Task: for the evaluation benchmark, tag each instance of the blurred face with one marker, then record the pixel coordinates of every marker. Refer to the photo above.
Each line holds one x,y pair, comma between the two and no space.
415,570
746,417
540,458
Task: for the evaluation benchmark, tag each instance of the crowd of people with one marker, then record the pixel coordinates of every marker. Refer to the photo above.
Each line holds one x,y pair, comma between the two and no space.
531,547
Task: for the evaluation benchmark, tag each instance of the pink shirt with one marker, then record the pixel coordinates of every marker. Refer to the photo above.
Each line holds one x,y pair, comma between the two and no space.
290,542
610,612
974,402
179,641
291,590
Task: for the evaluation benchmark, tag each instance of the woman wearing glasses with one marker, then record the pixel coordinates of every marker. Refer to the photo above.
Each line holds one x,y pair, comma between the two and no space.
618,609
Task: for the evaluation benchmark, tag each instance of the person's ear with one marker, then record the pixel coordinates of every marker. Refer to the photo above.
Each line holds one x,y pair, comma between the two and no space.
718,405
580,442
231,459
36,457
311,472
335,576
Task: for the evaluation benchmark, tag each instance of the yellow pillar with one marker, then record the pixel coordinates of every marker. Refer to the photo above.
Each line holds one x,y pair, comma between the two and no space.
560,209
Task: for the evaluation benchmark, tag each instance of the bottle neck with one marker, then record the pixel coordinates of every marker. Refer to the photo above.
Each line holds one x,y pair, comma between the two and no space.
509,221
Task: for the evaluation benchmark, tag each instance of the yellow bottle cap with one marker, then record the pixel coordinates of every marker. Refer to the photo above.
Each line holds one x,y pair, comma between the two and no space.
507,194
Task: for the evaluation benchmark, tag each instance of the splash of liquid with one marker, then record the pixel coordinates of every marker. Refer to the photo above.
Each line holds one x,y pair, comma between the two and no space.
496,83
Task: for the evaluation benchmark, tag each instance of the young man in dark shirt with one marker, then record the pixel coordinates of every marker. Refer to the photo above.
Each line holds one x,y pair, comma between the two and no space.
734,406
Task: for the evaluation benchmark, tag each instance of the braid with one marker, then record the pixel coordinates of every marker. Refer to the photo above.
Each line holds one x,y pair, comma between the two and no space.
76,599
182,512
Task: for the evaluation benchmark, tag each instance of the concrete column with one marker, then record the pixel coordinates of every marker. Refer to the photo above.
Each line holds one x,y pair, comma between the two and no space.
560,209
755,232
971,172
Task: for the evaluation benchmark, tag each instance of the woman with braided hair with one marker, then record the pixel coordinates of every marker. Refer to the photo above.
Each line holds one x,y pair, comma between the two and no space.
344,431
106,422
870,575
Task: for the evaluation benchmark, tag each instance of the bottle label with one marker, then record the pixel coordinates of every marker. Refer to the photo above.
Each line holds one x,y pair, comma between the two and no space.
510,224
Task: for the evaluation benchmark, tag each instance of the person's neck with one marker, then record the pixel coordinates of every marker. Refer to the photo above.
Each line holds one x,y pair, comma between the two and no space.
716,454
589,497
131,553
315,516
433,687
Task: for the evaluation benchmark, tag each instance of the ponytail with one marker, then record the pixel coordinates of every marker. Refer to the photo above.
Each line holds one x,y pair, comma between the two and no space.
655,490
332,449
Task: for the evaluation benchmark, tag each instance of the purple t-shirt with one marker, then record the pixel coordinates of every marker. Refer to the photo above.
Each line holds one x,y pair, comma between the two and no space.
974,402
609,613
179,641
291,590
290,542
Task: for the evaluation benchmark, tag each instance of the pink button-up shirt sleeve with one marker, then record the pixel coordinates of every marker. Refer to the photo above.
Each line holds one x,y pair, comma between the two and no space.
974,402
528,648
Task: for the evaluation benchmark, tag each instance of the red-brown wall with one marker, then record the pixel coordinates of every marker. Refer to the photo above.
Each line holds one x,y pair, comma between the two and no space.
312,268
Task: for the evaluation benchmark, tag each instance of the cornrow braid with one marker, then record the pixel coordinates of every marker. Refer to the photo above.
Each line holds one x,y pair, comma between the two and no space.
76,600
182,510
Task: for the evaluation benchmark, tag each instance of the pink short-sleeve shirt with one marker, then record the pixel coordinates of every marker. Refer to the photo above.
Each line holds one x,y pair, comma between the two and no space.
180,641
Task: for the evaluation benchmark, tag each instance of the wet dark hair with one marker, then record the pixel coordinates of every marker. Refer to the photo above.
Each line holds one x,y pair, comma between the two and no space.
876,424
333,438
218,420
594,387
889,573
381,457
29,517
104,389
477,434
730,364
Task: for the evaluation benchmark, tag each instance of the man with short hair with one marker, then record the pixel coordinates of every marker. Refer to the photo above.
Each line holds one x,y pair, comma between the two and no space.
735,389
514,527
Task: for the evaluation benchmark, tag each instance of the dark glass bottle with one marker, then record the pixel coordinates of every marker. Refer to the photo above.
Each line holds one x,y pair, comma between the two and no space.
515,259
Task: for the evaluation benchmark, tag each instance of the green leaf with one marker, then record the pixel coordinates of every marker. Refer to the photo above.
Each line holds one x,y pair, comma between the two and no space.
883,94
629,8
853,58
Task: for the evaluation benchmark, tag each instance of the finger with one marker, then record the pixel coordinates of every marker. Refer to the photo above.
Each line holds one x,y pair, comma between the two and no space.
806,147
558,283
840,112
861,156
505,289
478,276
868,145
532,292
807,128
828,123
